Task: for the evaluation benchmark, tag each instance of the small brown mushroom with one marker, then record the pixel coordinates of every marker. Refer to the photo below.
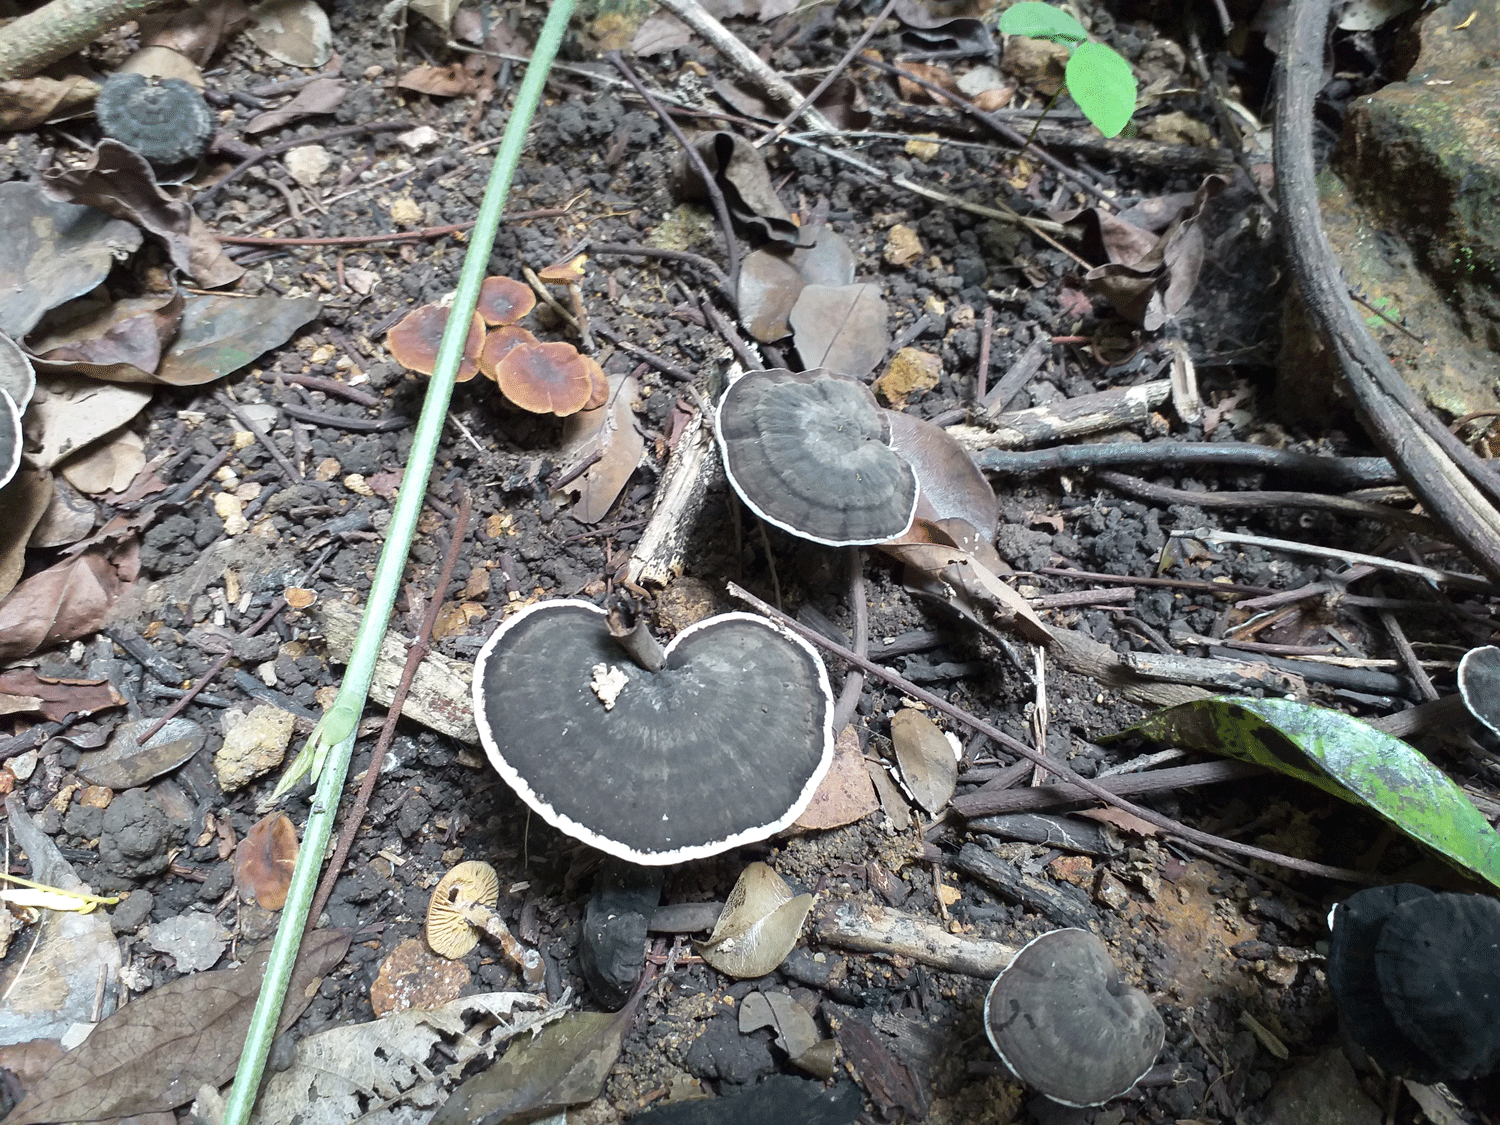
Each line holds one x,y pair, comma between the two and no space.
504,300
463,906
546,378
449,931
414,341
497,344
564,273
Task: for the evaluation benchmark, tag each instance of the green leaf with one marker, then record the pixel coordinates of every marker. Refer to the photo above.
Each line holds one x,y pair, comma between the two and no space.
1103,85
1042,21
1345,757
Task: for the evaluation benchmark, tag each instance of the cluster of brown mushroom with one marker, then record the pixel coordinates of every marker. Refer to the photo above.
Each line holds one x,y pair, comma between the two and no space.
544,378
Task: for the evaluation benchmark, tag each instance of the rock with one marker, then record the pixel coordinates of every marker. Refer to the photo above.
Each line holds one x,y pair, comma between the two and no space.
613,942
193,940
134,909
1322,1091
253,744
136,838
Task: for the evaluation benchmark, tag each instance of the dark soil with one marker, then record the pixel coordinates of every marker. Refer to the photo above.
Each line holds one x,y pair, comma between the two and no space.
1210,943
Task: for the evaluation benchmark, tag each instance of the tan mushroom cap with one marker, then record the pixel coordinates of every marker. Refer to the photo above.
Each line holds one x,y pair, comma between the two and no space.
449,933
498,343
546,378
414,341
504,300
564,273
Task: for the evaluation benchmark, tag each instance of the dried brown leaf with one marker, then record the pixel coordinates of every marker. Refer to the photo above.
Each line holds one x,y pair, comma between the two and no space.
264,859
611,432
841,327
120,341
70,413
451,81
929,768
413,977
107,466
120,182
26,103
954,575
295,32
846,793
195,31
23,503
952,487
760,925
220,335
55,698
1153,288
321,95
152,1055
69,600
52,253
564,1064
125,762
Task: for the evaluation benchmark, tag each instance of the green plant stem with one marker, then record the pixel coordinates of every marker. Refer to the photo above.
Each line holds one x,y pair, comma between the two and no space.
333,742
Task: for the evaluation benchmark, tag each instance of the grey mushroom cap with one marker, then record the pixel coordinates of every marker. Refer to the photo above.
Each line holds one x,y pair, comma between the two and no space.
163,119
810,452
724,745
1064,1021
1415,976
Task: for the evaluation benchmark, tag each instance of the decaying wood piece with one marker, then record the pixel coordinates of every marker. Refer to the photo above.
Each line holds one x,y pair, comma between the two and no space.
1453,485
30,42
1077,417
1066,905
691,471
440,693
873,929
1031,798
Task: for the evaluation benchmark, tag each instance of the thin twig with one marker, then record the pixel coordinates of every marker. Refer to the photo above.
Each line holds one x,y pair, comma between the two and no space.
420,646
696,17
286,146
695,158
390,236
204,680
832,76
1061,768
281,459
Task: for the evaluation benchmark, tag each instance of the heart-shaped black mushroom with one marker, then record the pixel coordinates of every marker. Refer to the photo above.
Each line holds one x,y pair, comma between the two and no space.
1064,1021
721,744
1416,978
810,452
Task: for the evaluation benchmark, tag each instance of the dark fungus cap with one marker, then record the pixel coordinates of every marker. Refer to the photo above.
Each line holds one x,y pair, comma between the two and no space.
811,452
163,119
724,745
1416,978
1066,1023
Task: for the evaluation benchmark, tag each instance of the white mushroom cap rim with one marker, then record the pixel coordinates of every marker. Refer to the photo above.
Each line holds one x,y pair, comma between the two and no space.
1064,1022
810,453
722,746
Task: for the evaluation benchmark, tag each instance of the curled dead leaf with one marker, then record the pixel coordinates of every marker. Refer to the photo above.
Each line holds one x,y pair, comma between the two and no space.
760,925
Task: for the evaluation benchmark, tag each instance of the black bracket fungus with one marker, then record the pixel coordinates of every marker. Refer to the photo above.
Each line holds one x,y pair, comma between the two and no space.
1064,1021
722,745
1416,979
163,119
811,453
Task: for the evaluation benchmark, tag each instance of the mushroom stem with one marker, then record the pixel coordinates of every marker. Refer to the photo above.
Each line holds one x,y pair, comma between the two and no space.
629,630
528,962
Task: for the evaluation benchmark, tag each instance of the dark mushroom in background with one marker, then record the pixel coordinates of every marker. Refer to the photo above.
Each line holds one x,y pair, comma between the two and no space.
1416,979
722,744
163,119
811,453
1064,1021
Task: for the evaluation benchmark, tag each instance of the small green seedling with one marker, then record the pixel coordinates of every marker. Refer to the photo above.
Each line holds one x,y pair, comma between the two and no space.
1100,81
